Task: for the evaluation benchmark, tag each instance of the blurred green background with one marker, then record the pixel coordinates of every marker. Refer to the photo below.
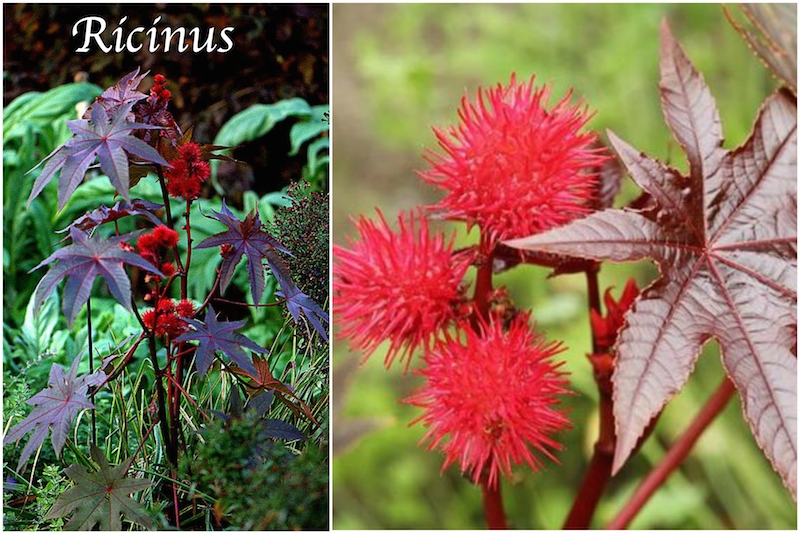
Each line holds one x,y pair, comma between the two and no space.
398,70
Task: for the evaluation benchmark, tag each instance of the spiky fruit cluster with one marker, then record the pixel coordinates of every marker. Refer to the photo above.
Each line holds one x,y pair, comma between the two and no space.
515,166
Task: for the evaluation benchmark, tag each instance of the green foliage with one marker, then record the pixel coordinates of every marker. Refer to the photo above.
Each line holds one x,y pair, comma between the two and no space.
258,483
101,497
259,119
31,515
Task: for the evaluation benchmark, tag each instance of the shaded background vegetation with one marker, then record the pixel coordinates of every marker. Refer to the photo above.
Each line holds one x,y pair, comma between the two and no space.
399,70
279,52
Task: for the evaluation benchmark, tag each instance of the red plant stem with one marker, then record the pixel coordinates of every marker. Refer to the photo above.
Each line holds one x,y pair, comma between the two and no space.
492,496
175,502
675,456
210,294
172,453
597,474
493,505
593,290
144,439
185,275
91,367
599,471
483,283
186,394
245,304
168,210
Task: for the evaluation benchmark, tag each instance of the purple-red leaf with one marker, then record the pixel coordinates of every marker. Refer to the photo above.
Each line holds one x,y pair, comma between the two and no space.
300,303
213,336
123,92
724,238
278,429
83,261
55,407
104,137
263,379
249,238
101,498
771,32
104,214
246,237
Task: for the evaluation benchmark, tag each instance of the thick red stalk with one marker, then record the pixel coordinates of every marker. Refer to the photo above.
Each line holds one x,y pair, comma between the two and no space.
483,283
492,496
675,456
599,471
493,505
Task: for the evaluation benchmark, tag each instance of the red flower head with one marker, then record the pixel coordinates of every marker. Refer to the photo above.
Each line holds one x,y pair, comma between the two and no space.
512,166
400,286
490,399
606,328
159,95
185,308
188,172
167,268
168,323
152,246
154,111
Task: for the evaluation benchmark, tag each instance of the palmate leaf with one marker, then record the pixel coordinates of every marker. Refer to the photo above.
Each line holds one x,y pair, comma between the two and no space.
262,379
724,238
104,137
771,32
101,498
83,261
55,408
248,237
213,336
103,214
123,92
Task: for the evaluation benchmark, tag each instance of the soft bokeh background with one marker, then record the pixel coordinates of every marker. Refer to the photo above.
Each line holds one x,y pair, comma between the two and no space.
398,70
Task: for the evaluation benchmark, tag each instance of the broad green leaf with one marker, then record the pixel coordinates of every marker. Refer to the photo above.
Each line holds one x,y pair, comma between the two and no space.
258,119
43,108
309,128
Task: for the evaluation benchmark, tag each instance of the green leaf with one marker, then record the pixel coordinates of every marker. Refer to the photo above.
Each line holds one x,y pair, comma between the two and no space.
37,330
307,129
102,497
44,108
315,160
258,119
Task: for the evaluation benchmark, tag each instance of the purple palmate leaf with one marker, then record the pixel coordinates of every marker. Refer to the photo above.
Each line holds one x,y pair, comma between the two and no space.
123,92
55,407
83,261
104,214
102,137
215,335
725,241
249,238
